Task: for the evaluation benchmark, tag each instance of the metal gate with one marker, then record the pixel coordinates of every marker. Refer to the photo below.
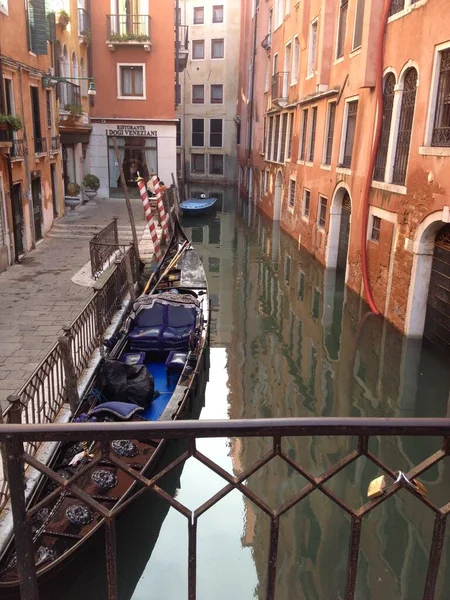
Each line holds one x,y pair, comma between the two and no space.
37,207
437,321
344,233
17,214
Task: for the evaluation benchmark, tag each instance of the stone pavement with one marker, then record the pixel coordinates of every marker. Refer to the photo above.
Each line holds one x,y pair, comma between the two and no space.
37,296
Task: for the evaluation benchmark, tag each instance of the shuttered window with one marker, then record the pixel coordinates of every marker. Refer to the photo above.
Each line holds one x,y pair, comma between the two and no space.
37,26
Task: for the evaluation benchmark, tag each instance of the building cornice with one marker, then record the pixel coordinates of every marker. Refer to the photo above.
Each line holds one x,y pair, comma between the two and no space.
306,100
130,120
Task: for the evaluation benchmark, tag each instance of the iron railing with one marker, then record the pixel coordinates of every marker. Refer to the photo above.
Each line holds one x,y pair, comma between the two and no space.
280,85
283,433
55,143
42,397
18,149
388,107
396,6
441,126
40,145
405,127
69,94
102,246
128,28
84,22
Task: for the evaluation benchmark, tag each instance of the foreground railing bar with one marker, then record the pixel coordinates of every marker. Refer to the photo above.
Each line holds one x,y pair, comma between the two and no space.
111,558
434,560
273,555
337,426
353,555
192,559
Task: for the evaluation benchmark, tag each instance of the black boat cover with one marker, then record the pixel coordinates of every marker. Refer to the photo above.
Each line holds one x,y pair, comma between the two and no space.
127,383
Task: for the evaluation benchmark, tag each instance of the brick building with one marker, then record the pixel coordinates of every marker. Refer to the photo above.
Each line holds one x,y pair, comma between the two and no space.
306,140
30,162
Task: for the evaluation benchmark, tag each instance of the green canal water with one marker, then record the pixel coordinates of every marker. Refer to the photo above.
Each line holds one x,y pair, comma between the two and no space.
287,339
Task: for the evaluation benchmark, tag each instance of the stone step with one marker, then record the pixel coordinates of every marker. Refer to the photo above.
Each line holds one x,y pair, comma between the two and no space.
87,232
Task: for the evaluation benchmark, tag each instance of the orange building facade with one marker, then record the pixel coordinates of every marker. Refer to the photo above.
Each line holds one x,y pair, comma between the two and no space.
133,66
308,109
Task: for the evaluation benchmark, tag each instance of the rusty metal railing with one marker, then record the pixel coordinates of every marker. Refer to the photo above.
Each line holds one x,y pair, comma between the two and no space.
102,247
278,430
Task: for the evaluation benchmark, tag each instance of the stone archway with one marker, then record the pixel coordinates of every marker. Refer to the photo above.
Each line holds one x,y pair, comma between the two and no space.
423,251
278,195
336,255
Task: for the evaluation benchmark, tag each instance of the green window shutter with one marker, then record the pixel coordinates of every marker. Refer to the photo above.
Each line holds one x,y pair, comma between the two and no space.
38,26
51,27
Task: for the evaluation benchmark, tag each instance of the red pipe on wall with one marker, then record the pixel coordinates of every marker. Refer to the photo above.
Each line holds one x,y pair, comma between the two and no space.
373,156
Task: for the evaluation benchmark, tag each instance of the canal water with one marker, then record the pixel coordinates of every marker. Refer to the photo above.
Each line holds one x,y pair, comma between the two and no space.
287,340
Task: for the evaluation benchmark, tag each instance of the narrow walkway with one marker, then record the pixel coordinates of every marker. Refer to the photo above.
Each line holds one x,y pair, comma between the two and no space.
38,297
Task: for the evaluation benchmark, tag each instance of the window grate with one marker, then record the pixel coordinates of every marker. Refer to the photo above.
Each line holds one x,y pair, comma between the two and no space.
322,211
350,134
330,132
388,105
396,7
304,130
312,141
405,127
376,226
292,186
283,137
306,202
269,140
275,141
441,129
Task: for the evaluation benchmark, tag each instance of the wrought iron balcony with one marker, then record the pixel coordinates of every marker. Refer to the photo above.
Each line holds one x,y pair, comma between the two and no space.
183,47
55,144
267,42
280,86
40,145
84,23
69,94
123,30
18,149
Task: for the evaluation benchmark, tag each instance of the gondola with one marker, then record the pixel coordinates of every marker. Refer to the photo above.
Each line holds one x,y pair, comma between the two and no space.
198,206
149,372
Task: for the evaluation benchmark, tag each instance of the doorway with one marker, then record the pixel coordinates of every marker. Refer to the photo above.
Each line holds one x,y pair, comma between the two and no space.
36,192
138,155
54,190
17,214
344,233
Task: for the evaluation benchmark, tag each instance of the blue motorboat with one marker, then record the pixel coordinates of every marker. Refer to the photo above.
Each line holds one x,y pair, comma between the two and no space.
198,206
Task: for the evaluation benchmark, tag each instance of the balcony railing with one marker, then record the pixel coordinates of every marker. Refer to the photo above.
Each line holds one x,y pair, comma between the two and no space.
84,22
18,149
280,85
55,144
128,29
69,94
183,47
40,145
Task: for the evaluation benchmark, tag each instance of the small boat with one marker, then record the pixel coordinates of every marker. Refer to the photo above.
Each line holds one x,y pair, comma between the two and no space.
198,206
149,372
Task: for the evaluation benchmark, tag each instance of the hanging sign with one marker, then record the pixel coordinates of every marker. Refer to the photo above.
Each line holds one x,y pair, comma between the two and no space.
131,130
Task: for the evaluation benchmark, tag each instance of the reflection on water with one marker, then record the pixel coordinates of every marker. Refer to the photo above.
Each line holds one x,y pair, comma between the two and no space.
288,339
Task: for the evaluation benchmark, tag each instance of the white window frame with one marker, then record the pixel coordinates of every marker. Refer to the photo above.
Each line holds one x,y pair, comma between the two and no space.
204,164
209,133
289,133
358,3
223,15
210,162
344,131
431,113
409,6
204,132
325,137
319,206
312,130
194,8
211,48
304,215
119,81
4,7
336,57
292,182
311,67
204,49
275,63
192,92
370,231
295,60
210,95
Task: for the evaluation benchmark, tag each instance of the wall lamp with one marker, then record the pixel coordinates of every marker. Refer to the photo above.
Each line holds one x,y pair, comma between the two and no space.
50,81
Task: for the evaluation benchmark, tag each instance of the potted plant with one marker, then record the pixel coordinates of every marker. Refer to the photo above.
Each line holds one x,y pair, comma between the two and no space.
72,197
10,122
91,184
63,18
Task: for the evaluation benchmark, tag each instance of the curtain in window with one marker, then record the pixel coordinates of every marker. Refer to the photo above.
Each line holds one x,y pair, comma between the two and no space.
151,156
114,170
127,82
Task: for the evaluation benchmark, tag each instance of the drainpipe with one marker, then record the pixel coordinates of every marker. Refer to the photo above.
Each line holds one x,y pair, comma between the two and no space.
250,133
177,52
27,165
365,199
8,166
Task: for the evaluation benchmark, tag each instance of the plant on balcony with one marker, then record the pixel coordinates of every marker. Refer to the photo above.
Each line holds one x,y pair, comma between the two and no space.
63,18
75,109
128,37
86,35
10,122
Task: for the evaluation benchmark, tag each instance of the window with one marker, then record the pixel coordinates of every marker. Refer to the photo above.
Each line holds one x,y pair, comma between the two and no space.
359,21
275,64
217,14
284,121
178,123
396,6
330,133
295,61
312,139
179,167
177,94
198,132
266,181
388,105
322,211
303,138
441,127
342,28
197,163
131,81
217,49
405,127
198,94
349,134
269,140
39,143
306,202
292,193
287,66
267,79
216,133
312,48
301,285
376,226
216,93
290,134
199,15
275,140
198,49
48,98
216,164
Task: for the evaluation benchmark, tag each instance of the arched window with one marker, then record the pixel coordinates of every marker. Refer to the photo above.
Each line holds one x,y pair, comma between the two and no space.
388,104
405,127
83,82
75,74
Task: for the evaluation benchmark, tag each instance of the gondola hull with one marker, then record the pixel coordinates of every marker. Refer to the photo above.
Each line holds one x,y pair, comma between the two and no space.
201,206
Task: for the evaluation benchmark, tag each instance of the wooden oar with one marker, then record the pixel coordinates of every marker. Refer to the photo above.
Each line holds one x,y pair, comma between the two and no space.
169,266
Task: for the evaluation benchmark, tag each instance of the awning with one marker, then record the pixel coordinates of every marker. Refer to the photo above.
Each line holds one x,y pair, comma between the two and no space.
75,138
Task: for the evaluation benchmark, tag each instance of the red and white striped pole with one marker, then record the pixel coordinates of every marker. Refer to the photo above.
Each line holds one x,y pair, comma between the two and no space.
161,210
149,217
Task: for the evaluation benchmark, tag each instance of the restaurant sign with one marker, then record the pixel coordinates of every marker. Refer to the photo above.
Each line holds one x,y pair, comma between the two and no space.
131,130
